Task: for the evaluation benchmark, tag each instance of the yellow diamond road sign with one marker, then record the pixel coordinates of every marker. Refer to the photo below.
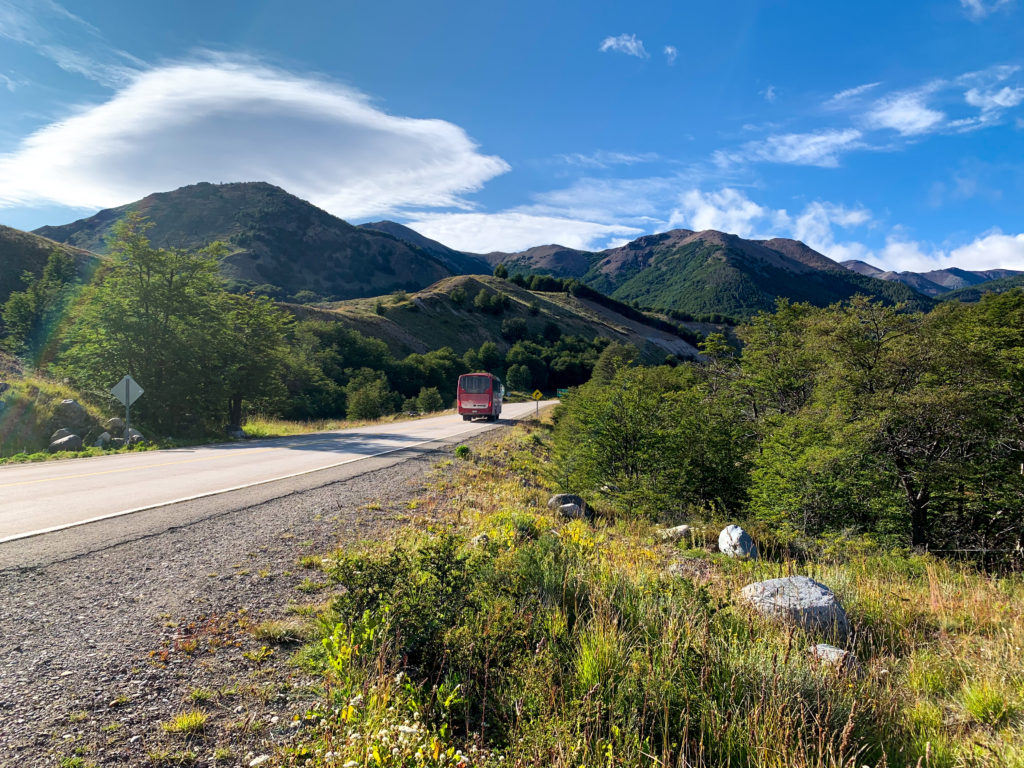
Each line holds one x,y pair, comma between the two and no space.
537,395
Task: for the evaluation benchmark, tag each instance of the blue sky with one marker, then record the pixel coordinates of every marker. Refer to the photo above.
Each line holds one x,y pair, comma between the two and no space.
892,132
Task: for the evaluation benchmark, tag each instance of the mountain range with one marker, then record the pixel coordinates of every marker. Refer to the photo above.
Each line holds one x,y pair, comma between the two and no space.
936,282
289,249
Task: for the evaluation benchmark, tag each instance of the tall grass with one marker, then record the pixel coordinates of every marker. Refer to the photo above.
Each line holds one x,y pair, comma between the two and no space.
551,644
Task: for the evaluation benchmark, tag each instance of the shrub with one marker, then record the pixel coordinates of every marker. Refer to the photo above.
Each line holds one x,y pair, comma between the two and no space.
462,451
430,400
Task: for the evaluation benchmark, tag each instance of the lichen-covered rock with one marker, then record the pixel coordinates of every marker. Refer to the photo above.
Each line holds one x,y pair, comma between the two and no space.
801,601
114,426
675,533
735,542
839,659
68,443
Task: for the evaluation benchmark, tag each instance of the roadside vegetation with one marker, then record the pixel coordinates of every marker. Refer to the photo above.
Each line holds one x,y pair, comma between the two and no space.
494,633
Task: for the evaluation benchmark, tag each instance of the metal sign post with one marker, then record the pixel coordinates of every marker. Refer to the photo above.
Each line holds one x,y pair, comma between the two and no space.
127,390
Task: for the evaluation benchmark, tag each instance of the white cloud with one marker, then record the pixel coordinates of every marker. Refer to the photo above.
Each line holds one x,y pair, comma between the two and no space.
769,94
822,148
516,231
70,42
627,44
236,120
994,250
979,9
906,113
10,83
727,210
671,52
993,100
850,94
605,159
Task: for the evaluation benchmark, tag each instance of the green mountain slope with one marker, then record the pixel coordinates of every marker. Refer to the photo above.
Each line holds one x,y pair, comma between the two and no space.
278,242
702,273
975,292
22,252
444,315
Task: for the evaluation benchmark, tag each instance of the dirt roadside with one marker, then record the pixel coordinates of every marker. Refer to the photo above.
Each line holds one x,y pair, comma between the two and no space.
102,649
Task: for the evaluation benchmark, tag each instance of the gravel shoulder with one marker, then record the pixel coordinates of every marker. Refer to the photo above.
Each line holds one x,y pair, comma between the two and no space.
108,631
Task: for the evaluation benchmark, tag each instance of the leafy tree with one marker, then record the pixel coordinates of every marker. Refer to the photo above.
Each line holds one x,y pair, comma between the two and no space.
614,357
368,395
514,328
158,315
253,356
501,271
519,378
30,317
430,400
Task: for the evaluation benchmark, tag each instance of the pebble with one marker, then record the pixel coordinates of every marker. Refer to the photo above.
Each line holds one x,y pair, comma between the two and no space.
258,761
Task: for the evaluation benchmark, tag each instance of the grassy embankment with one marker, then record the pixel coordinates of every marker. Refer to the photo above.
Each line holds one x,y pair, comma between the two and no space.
556,643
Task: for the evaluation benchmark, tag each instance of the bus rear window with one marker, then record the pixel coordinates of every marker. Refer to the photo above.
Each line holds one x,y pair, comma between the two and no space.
475,385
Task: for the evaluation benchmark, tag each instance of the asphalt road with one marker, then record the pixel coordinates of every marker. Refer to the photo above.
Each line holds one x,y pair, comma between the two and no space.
55,495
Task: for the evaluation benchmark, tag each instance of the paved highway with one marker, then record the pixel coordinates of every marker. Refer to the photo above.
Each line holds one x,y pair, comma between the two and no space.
50,496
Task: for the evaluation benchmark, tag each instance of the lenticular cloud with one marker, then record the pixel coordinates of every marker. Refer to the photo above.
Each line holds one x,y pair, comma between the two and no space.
223,121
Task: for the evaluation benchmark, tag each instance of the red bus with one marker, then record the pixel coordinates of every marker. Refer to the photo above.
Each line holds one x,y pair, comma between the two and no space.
480,394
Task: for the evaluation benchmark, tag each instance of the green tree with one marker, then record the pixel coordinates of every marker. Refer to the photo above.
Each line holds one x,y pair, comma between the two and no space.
368,395
501,271
614,357
253,353
30,317
158,315
519,378
430,400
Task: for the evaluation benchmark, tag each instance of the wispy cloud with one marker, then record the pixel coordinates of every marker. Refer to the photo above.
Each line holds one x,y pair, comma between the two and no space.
769,94
822,148
10,83
850,95
604,159
234,119
979,9
906,113
671,52
516,231
627,44
70,42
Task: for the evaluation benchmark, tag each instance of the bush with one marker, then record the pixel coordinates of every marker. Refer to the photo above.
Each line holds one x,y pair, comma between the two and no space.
430,400
462,451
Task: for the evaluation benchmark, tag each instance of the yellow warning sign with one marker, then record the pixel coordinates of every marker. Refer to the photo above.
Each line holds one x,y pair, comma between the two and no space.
537,395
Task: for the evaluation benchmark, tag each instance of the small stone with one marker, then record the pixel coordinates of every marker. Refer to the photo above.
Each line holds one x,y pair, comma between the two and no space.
480,541
258,761
831,656
674,534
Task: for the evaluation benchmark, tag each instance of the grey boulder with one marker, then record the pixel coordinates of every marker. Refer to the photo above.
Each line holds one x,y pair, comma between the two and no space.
572,511
70,414
102,441
69,443
236,433
801,601
566,498
735,542
60,434
114,426
133,436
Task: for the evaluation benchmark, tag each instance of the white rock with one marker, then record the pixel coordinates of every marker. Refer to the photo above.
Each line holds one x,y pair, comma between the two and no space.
572,511
258,761
674,534
838,658
735,542
799,600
